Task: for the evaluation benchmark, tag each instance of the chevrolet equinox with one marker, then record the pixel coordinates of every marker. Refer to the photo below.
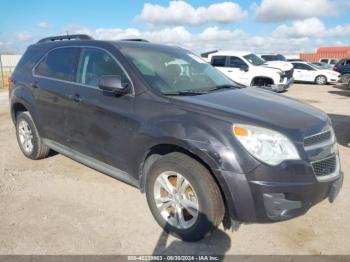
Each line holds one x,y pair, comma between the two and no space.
204,149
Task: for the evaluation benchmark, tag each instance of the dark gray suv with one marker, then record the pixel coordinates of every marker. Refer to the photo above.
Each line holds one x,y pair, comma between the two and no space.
204,150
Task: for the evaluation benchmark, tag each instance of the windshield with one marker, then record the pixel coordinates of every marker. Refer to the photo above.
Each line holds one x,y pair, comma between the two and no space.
254,59
317,66
176,71
314,66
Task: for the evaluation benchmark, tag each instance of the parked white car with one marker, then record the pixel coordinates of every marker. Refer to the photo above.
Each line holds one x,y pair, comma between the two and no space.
306,72
248,69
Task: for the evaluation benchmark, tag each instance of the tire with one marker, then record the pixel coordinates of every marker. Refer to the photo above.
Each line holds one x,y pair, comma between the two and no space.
320,80
28,137
202,187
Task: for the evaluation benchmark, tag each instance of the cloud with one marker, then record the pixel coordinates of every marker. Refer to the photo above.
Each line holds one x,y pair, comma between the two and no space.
338,31
278,10
307,27
24,36
43,24
174,35
182,13
311,27
209,39
215,34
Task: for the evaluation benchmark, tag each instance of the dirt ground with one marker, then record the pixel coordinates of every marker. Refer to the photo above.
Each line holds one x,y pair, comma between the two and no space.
58,206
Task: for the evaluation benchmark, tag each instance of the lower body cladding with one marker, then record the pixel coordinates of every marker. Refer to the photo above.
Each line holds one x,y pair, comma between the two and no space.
270,194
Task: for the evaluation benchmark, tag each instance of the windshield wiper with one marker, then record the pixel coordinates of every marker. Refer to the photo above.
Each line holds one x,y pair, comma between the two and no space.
223,87
186,93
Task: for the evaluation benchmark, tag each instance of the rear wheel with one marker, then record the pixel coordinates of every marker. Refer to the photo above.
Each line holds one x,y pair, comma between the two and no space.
183,197
321,80
28,137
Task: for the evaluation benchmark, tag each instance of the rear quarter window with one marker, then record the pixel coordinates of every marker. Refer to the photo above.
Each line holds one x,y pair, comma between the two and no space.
28,61
60,64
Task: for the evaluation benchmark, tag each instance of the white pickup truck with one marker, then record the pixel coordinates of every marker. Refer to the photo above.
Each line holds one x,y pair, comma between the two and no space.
248,69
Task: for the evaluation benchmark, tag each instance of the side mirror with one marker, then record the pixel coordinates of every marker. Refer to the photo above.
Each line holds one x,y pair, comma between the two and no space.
244,68
112,84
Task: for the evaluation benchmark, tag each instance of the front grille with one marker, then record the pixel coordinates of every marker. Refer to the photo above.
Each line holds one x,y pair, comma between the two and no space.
325,167
317,139
289,74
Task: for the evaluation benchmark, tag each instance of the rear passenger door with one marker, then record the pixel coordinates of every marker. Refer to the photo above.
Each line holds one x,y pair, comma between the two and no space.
54,77
101,125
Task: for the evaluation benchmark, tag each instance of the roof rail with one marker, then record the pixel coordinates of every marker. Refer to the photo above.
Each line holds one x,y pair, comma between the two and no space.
135,40
65,37
206,54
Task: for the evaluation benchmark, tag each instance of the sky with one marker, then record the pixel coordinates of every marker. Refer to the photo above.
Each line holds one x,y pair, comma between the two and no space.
279,26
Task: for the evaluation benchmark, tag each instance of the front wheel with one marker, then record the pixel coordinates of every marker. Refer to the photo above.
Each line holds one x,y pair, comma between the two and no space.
321,80
183,197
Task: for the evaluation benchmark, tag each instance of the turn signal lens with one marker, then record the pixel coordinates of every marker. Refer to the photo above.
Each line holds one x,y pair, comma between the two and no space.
240,131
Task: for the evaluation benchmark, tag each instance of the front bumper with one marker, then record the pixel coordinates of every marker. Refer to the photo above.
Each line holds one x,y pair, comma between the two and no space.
283,86
270,194
334,80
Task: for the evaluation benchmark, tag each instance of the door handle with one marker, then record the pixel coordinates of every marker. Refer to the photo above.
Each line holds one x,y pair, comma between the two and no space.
230,71
76,98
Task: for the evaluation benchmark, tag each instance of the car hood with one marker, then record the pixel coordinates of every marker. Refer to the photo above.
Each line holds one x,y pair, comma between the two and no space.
259,107
284,66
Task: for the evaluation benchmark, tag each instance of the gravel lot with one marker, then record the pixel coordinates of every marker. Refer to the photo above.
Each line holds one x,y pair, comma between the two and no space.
57,206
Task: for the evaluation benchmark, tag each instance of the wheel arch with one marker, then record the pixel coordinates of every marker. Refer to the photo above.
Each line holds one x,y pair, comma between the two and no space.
156,151
323,76
16,108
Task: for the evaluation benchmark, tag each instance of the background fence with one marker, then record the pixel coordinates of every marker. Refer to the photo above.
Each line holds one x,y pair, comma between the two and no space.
7,65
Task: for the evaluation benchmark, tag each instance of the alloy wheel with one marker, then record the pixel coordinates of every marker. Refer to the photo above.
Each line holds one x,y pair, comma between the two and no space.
25,135
176,200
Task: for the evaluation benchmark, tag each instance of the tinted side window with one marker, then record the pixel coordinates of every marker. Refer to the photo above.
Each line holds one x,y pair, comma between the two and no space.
324,60
268,57
302,66
27,62
347,63
236,62
218,61
60,63
94,64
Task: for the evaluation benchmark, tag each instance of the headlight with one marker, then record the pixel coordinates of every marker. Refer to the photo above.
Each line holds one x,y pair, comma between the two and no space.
264,144
280,72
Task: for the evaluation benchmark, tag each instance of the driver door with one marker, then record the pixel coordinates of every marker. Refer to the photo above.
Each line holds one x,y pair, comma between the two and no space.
240,69
299,72
231,67
101,126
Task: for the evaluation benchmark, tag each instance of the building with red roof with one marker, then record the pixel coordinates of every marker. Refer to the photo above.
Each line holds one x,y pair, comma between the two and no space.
335,52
